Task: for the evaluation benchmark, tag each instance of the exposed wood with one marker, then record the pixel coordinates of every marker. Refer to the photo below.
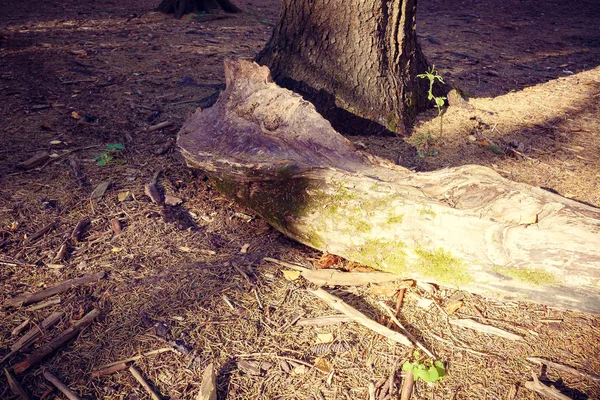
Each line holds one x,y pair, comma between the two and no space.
332,277
135,358
79,228
138,377
544,390
407,386
34,334
44,304
465,227
208,388
324,320
109,370
492,330
339,305
115,225
56,343
159,126
565,368
27,299
60,386
34,161
20,327
15,386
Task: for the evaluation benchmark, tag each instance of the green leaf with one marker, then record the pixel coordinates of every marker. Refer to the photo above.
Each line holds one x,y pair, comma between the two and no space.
439,101
115,146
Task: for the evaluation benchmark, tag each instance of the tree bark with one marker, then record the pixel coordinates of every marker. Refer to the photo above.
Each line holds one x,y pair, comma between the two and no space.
181,7
464,227
360,56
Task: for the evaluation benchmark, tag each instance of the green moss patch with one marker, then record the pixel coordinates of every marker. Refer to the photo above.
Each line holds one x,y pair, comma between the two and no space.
527,275
443,266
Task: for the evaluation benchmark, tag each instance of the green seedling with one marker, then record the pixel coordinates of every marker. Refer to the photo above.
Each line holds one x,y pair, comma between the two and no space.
107,156
440,101
427,371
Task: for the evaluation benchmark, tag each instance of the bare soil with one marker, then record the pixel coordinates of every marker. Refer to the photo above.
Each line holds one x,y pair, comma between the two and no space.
78,76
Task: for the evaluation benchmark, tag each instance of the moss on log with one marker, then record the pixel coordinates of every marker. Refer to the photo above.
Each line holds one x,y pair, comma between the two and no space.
464,227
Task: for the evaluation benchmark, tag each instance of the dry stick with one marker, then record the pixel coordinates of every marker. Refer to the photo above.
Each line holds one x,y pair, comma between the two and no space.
15,386
492,330
404,331
547,391
324,320
19,328
407,386
334,277
159,126
109,370
69,152
56,343
565,368
34,334
51,291
339,305
44,304
138,376
60,386
135,358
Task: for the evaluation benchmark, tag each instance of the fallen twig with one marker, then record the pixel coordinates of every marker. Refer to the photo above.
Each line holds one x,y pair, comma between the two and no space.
109,370
339,305
60,386
565,368
45,304
56,343
544,390
19,328
407,386
27,299
324,320
159,126
492,330
138,376
134,358
333,277
34,334
15,386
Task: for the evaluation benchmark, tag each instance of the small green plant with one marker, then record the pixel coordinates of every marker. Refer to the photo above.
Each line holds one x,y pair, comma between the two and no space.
107,156
424,142
428,371
433,75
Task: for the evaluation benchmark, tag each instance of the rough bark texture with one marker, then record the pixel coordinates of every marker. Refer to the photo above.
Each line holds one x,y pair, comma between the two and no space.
464,227
361,55
181,7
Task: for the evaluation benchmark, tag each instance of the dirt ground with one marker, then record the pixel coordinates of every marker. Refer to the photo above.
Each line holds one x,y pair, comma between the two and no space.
83,81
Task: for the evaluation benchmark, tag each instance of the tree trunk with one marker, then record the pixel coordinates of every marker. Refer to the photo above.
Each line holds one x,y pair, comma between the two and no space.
181,7
361,56
464,227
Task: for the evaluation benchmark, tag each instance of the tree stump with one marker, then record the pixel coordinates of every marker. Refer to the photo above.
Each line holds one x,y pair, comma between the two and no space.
465,227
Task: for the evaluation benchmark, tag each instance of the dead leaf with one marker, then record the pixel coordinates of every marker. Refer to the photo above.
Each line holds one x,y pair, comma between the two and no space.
117,249
14,226
55,142
99,190
300,370
384,289
327,260
124,196
75,115
184,249
172,200
323,365
245,248
452,306
424,303
290,275
324,338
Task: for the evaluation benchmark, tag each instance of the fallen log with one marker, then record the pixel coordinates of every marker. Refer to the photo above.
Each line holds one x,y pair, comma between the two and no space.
465,227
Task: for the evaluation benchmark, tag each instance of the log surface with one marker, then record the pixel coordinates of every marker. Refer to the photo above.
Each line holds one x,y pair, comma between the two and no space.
465,227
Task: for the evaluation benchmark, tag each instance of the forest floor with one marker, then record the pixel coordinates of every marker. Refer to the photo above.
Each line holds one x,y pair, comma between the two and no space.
81,83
